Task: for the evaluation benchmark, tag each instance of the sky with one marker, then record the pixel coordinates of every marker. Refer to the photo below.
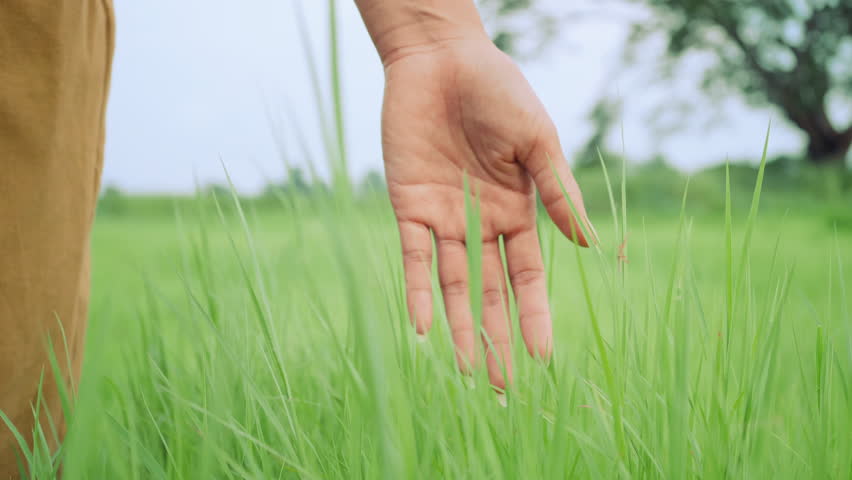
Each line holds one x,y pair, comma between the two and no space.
204,86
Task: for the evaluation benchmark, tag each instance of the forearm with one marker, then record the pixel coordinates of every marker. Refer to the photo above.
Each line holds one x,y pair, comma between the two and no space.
400,27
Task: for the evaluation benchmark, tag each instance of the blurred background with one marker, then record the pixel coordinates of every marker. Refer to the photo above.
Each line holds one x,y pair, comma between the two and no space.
674,87
729,331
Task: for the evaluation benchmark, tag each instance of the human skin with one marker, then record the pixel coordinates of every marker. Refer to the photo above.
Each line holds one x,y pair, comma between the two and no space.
455,105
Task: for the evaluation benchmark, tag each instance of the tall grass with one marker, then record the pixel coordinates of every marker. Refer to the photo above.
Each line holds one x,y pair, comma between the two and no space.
277,345
279,355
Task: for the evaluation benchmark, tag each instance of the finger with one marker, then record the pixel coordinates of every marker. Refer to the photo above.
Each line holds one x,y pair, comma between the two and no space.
495,317
547,166
417,263
526,272
452,273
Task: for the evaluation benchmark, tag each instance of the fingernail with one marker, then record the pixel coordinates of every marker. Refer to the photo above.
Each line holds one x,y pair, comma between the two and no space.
468,382
421,338
502,400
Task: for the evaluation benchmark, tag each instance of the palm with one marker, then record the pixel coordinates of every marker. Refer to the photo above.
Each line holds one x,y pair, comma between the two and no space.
445,117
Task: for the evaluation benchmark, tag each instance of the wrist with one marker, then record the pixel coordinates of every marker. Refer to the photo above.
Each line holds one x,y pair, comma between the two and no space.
403,27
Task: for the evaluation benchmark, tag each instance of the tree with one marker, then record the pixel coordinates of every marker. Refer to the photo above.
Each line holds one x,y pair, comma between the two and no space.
293,183
602,117
374,181
517,20
112,201
793,55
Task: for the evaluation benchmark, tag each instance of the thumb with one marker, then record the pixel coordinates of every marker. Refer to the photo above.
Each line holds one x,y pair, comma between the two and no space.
558,189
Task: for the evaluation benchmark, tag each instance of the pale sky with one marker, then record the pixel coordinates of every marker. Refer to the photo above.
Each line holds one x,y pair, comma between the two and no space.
197,81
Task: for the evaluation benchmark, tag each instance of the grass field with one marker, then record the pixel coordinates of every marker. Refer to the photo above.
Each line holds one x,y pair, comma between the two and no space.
273,341
276,345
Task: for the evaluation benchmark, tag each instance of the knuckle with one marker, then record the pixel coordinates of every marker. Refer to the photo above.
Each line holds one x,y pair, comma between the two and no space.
493,296
454,287
527,276
417,255
497,340
461,328
553,197
416,289
448,243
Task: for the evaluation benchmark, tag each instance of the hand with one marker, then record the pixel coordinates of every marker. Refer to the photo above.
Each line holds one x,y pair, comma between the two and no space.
462,106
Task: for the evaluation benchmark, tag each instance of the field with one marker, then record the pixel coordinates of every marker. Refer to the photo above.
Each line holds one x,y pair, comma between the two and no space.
272,342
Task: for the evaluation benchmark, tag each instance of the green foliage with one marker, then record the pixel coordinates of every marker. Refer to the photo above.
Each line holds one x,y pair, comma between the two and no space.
792,55
294,183
112,201
373,182
603,118
512,6
274,343
652,187
519,27
656,187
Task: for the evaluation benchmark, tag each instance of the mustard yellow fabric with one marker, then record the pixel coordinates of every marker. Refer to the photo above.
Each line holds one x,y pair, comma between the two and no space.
55,58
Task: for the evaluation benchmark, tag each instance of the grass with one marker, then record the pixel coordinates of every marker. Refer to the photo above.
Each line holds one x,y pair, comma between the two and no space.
270,340
274,343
